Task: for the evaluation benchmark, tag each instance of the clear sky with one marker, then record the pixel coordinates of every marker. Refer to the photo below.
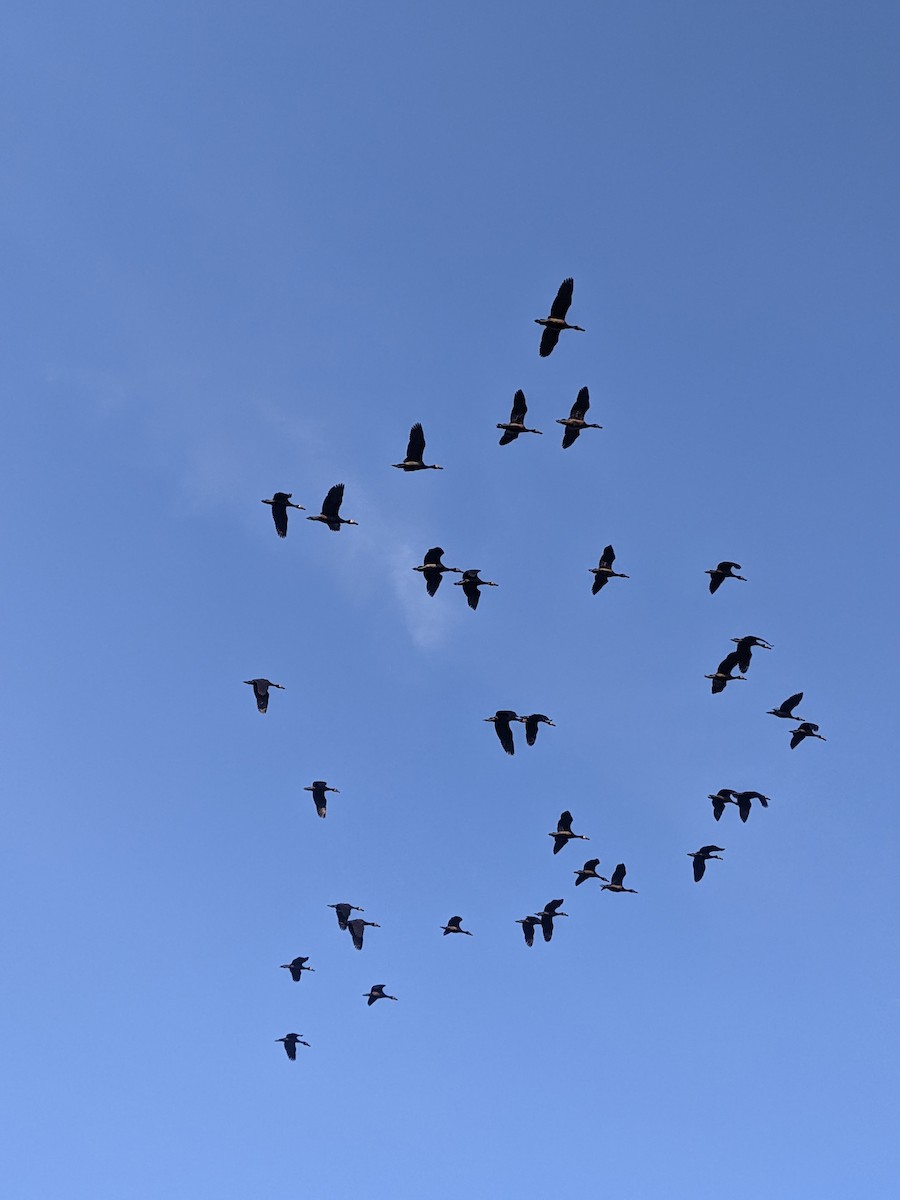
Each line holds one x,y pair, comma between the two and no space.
245,247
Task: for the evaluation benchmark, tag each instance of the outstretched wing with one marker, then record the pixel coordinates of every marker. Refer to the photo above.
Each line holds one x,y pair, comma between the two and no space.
519,408
331,505
279,516
792,702
508,435
504,733
261,692
416,447
728,663
581,405
699,867
471,592
570,436
549,338
599,582
715,581
432,580
564,825
618,875
744,651
607,558
560,305
357,929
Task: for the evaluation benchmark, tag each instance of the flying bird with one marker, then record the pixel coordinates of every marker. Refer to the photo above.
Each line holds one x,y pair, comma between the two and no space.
454,925
805,730
331,510
291,1042
261,691
723,674
575,421
589,871
603,572
319,787
516,423
556,322
357,928
745,647
725,570
501,720
377,992
547,916
743,801
564,832
280,503
615,883
343,912
470,583
297,966
414,451
531,726
528,924
785,709
701,857
433,569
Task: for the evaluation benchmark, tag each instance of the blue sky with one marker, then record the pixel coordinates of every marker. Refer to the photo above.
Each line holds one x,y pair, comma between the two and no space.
245,250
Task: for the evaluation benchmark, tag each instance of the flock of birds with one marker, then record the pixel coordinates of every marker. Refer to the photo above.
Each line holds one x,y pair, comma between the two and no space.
433,570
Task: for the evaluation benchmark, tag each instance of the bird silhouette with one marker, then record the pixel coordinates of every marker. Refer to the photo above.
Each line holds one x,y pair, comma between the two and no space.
516,423
261,691
331,510
564,832
745,647
532,722
470,583
701,857
548,915
615,883
742,800
808,729
280,503
454,925
343,912
501,721
556,322
377,992
297,966
291,1042
319,787
785,709
528,924
725,570
575,421
723,674
414,451
357,929
433,569
603,572
589,871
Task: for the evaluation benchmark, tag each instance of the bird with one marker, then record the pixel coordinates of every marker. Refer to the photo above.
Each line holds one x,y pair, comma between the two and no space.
700,858
501,721
297,966
343,913
454,926
261,691
785,709
603,572
615,882
377,992
433,569
470,583
528,924
723,571
331,509
589,871
516,423
743,801
575,421
723,674
745,647
564,832
807,729
547,916
319,787
556,322
414,451
532,721
280,503
291,1042
357,928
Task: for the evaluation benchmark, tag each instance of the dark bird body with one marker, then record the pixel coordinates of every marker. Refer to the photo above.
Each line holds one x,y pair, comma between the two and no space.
806,730
516,423
701,858
528,924
454,925
745,647
615,883
470,583
501,720
603,572
575,421
319,787
297,966
785,709
357,928
556,322
743,801
433,569
291,1042
280,503
343,912
414,451
331,510
725,570
261,691
589,871
377,992
723,674
564,833
548,915
532,722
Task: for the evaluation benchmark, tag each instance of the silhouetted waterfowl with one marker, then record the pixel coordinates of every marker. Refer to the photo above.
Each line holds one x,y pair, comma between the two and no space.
296,967
470,583
331,510
261,691
556,322
785,709
547,916
343,913
700,858
501,722
615,882
564,832
604,572
723,674
725,570
291,1042
357,928
454,925
319,787
432,568
745,647
528,924
589,871
722,797
532,721
806,730
743,801
516,423
377,992
575,421
414,451
280,503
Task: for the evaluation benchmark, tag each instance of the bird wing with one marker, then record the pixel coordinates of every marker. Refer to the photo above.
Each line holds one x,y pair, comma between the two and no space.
531,731
296,970
279,516
564,825
504,733
528,931
718,685
715,581
797,737
508,435
519,408
718,804
618,875
591,865
558,843
261,692
581,405
725,567
290,1049
553,906
457,920
433,557
432,580
600,581
743,652
549,338
560,305
357,929
331,505
699,867
416,447
570,435
792,701
547,926
471,592
343,913
607,558
743,804
728,663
